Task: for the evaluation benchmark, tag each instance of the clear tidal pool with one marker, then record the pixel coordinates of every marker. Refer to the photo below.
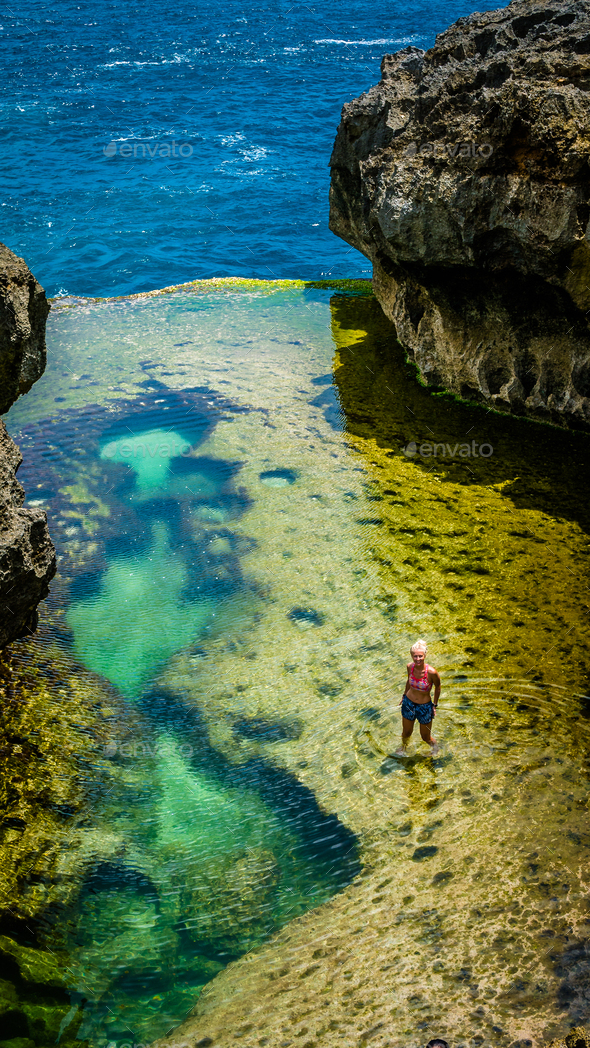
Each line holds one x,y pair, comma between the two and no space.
248,540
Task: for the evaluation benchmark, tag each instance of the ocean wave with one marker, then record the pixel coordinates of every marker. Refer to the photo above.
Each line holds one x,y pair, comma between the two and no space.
175,60
369,43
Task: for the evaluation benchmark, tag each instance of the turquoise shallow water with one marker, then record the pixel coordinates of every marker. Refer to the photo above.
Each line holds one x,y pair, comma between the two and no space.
216,857
241,543
138,620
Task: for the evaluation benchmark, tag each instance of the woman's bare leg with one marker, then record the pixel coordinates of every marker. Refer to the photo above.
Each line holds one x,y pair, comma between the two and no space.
407,729
428,737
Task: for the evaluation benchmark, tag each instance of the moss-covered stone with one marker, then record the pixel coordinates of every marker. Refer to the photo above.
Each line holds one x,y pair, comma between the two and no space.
35,1004
46,752
36,967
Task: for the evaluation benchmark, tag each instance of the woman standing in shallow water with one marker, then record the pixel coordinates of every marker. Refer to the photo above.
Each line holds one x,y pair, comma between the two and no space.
416,703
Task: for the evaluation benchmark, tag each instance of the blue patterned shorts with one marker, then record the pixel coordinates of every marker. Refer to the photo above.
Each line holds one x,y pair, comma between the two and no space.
423,712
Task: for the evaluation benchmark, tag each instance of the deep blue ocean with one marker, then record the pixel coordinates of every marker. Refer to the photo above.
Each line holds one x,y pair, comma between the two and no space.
148,145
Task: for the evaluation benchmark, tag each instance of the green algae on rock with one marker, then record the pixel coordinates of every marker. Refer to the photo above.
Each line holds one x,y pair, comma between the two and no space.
489,523
46,755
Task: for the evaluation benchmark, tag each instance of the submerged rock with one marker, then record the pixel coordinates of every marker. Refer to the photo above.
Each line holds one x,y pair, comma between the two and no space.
577,1038
230,905
35,1007
463,176
27,556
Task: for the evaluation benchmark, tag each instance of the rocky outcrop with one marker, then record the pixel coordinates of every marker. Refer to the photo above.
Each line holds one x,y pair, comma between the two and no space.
463,175
23,313
27,555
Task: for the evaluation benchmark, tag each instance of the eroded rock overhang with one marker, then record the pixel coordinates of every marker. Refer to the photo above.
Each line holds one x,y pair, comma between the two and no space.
463,175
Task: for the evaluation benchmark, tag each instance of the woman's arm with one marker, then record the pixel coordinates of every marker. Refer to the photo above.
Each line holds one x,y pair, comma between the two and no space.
407,684
437,687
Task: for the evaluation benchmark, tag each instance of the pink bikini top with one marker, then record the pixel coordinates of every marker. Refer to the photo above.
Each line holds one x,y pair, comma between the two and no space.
420,683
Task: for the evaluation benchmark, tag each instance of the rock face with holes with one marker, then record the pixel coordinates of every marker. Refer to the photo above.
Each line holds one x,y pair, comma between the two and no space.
464,176
27,555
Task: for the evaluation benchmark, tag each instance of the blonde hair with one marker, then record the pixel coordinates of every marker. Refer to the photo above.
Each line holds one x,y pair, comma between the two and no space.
421,644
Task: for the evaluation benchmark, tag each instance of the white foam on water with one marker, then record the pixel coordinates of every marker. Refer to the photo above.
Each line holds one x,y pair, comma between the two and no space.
369,43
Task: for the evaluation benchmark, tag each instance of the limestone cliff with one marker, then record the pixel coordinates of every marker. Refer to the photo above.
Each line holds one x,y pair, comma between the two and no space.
27,556
463,175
